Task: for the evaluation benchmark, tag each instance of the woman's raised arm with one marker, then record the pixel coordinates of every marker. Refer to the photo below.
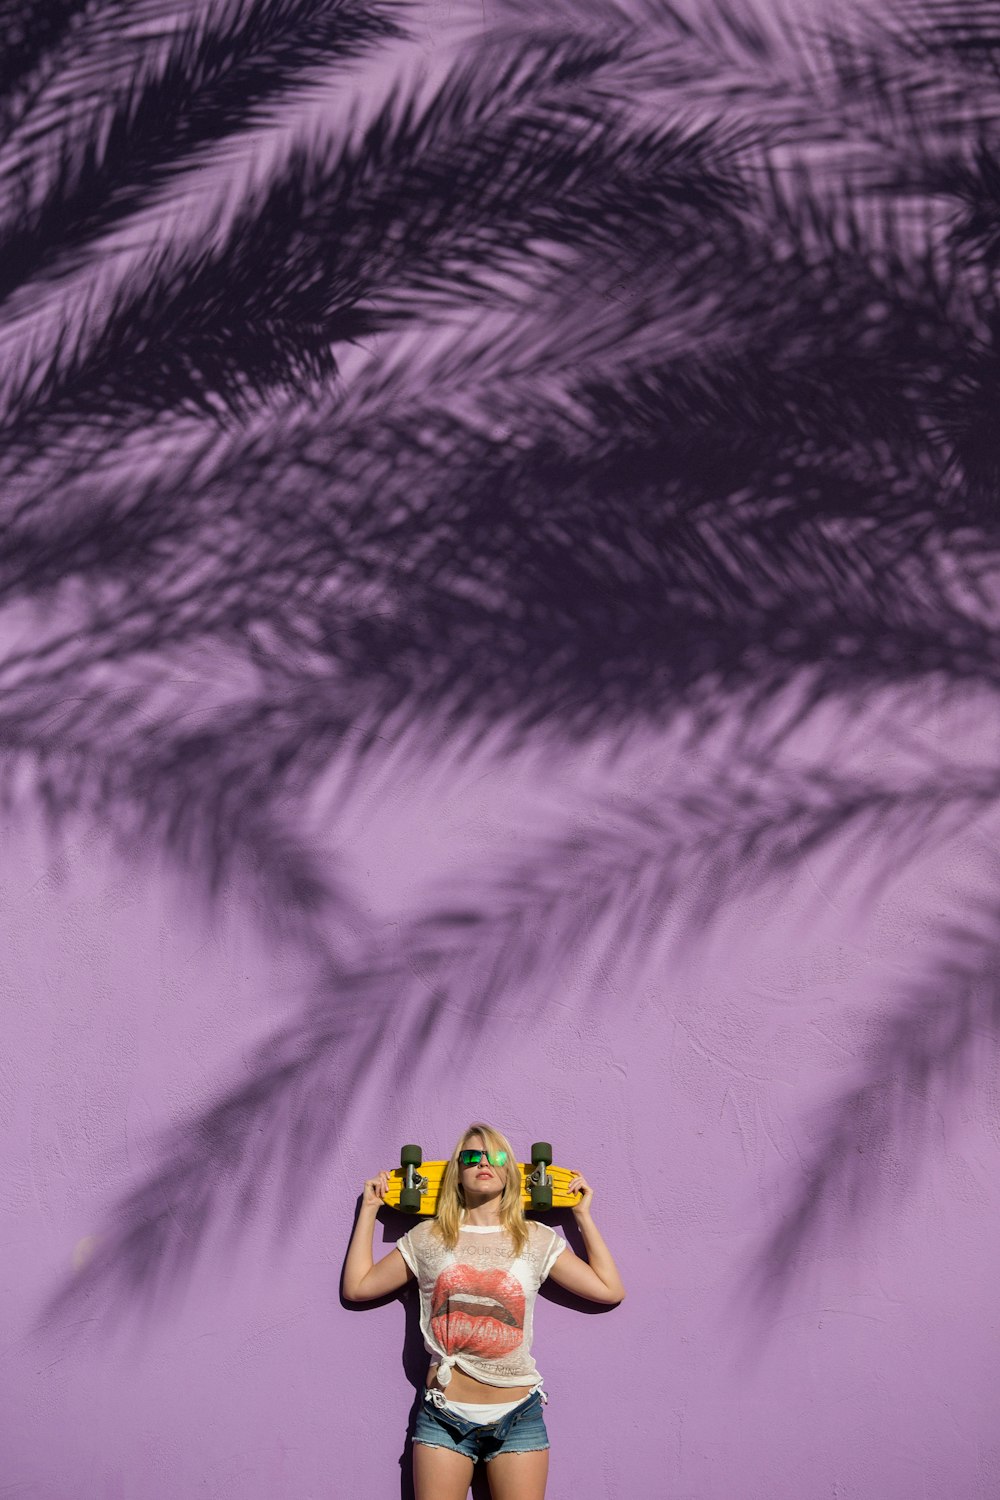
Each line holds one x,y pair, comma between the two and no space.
595,1278
363,1279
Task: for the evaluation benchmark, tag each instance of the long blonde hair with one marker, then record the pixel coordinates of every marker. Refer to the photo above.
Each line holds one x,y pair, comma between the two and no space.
451,1198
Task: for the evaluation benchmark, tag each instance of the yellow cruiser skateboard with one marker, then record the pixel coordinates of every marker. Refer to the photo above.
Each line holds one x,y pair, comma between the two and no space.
414,1184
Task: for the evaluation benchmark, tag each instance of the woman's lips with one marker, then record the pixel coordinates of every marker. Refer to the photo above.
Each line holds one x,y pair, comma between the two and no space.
478,1312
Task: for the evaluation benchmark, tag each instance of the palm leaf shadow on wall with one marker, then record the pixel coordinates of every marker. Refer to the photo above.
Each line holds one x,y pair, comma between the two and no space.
677,411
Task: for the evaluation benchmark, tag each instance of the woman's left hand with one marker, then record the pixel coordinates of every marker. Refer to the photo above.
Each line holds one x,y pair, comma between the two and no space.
581,1185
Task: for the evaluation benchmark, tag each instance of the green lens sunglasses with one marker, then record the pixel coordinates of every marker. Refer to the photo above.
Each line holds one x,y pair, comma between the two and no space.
473,1158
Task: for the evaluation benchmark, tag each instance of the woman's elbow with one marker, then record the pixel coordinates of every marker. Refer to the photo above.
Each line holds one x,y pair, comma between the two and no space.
607,1296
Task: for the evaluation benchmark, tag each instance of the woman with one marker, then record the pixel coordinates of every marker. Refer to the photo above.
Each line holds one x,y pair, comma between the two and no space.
478,1267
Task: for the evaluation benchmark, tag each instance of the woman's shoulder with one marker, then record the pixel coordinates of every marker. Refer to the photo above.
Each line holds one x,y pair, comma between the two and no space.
540,1232
545,1245
413,1246
423,1236
542,1238
417,1234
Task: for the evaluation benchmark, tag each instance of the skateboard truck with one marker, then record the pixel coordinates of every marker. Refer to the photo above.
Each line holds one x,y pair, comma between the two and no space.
410,1158
538,1181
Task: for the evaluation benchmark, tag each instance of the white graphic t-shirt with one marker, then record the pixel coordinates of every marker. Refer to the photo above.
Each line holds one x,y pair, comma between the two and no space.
477,1301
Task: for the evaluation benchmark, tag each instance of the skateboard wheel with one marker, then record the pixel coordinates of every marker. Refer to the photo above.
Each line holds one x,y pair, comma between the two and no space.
541,1151
409,1200
411,1156
541,1198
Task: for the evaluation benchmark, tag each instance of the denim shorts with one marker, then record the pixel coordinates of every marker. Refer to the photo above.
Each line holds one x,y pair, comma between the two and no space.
519,1431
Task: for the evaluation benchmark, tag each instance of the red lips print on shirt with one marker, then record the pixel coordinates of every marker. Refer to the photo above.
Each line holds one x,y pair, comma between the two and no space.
478,1312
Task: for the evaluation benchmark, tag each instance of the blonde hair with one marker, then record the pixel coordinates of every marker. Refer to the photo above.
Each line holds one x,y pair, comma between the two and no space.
451,1198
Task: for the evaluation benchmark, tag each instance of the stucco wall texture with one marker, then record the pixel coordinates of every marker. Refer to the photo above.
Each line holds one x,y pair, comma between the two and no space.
690,1089
772,1053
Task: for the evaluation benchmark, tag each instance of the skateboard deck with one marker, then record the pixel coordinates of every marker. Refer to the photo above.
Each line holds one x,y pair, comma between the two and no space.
427,1181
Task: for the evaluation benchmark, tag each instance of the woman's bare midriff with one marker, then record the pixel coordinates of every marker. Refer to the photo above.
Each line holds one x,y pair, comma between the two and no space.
463,1387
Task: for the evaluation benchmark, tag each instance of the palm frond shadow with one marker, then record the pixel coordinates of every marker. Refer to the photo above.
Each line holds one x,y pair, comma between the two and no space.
342,223
45,47
727,453
198,801
700,524
212,84
933,1046
590,905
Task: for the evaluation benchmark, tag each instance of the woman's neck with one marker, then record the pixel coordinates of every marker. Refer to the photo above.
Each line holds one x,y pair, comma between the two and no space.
482,1214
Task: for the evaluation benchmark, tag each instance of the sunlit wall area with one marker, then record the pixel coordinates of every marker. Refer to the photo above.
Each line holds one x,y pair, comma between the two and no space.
802,1213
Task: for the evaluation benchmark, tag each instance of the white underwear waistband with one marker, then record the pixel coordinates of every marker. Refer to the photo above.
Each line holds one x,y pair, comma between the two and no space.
478,1412
481,1414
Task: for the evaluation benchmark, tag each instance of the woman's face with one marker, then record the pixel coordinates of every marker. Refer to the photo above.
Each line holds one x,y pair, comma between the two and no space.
482,1181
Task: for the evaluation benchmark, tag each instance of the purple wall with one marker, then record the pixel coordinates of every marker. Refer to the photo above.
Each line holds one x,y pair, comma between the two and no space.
744,981
690,1094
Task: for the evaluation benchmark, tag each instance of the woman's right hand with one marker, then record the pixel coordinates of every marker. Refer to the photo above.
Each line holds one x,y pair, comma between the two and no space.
375,1191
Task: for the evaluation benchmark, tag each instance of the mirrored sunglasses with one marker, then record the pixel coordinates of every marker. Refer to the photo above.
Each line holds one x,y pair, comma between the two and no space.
473,1158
